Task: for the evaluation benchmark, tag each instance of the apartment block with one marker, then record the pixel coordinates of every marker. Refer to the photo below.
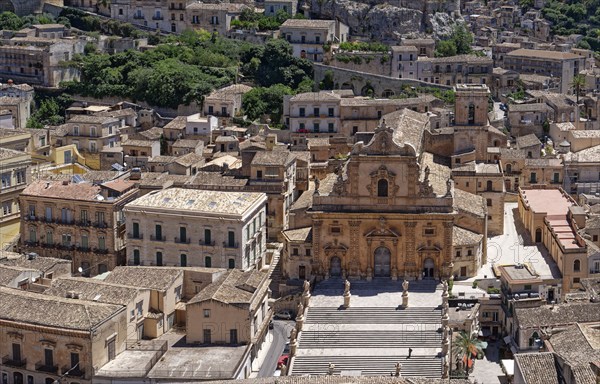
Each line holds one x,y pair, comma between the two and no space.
547,63
35,57
77,220
213,17
164,15
187,227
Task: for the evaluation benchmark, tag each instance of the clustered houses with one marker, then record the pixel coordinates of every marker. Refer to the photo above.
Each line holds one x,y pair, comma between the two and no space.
194,220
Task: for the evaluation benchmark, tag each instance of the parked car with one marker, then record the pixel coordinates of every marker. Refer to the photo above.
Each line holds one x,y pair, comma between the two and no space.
283,360
284,315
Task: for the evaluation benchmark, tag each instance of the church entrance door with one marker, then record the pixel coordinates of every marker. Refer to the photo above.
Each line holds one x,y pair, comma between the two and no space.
335,267
382,262
428,268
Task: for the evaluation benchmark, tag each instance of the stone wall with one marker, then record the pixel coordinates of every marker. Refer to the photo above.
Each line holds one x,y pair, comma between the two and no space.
439,143
370,62
362,82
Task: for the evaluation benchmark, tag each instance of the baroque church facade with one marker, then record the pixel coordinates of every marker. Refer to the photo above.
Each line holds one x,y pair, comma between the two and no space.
378,215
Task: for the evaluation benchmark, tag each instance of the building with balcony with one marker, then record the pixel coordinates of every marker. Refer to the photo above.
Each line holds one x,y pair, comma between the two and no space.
79,221
47,339
203,127
453,70
313,112
164,15
188,227
15,172
307,37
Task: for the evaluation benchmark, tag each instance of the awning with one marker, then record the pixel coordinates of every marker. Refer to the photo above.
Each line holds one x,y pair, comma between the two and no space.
509,367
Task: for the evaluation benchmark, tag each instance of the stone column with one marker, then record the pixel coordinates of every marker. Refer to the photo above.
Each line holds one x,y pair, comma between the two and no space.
305,300
354,245
394,261
410,263
347,294
445,342
369,259
405,294
317,245
447,256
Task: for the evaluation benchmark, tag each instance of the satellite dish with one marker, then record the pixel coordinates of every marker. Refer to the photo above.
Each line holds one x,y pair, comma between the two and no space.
80,269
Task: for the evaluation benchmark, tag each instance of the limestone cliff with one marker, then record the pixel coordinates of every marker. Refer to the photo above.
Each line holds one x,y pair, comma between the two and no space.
389,20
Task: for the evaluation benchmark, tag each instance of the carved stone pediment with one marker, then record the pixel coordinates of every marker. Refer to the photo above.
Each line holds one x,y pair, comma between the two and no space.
335,249
383,231
431,248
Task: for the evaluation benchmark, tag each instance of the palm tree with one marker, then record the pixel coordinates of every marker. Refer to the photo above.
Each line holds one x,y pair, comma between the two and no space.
466,347
578,84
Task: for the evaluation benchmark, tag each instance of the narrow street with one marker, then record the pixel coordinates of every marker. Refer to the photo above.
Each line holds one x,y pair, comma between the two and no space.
279,336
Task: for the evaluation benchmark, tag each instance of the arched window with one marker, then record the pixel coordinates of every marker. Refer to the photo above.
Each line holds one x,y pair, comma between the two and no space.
489,186
576,266
382,188
471,113
509,168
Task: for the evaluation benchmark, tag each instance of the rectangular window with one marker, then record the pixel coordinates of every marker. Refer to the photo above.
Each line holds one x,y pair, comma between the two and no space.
158,232
301,112
206,334
66,239
231,239
48,357
101,242
182,234
231,263
429,231
83,216
32,235
316,111
183,260
207,313
139,308
489,202
527,287
48,213
316,127
136,257
136,230
330,112
159,259
233,339
331,128
16,352
84,241
207,237
49,238
75,360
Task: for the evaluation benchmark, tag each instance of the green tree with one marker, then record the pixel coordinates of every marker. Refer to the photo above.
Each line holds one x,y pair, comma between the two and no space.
51,111
262,101
279,66
445,48
466,347
10,21
578,84
327,82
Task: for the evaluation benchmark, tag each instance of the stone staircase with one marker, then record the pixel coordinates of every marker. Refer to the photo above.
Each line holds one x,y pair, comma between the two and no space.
424,366
276,275
370,338
373,315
